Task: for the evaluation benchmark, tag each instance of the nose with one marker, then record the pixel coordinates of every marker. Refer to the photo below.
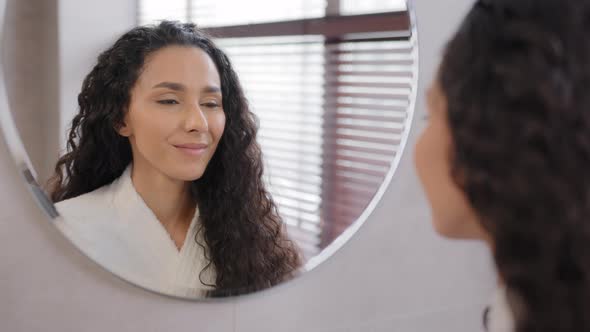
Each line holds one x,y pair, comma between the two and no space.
196,120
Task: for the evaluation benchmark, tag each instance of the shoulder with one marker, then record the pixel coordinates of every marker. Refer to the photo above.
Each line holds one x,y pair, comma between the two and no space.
87,219
84,205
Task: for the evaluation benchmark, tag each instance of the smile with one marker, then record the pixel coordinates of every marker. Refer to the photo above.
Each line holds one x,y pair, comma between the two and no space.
192,149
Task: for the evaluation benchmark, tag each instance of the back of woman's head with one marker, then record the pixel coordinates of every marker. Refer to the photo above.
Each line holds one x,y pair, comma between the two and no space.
515,77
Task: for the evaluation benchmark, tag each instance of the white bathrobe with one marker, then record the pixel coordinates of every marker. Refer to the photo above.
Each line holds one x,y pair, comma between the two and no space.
499,316
114,226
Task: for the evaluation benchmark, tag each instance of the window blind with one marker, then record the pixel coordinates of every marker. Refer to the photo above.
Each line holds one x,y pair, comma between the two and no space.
208,13
332,98
355,7
283,78
368,90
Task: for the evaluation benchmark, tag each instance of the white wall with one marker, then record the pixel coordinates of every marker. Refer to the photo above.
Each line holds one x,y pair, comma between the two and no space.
85,28
394,275
29,57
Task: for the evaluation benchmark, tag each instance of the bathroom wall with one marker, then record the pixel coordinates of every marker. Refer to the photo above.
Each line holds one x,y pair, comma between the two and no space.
394,275
32,77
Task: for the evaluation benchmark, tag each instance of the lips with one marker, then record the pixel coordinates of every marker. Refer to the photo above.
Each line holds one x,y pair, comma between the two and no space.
192,146
194,149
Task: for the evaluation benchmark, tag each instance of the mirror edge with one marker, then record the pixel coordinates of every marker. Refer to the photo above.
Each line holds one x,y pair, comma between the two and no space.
26,170
343,238
12,138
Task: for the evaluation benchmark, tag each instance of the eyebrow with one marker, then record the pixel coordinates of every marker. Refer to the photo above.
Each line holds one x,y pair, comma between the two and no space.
181,87
211,89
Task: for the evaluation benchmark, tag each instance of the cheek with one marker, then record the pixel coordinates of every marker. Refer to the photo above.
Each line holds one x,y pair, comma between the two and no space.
427,155
216,121
428,166
450,211
151,128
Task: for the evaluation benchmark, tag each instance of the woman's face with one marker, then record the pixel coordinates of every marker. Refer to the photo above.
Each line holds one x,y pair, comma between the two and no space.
175,118
452,214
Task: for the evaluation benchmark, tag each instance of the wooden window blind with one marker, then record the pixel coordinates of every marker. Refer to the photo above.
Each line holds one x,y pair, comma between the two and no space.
331,83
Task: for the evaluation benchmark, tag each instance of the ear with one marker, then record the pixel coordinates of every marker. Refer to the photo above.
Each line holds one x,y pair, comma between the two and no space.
124,129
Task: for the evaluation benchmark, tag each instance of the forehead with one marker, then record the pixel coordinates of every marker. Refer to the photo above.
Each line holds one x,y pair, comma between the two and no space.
183,64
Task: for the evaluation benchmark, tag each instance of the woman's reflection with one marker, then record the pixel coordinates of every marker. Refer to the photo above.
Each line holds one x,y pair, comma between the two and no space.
162,180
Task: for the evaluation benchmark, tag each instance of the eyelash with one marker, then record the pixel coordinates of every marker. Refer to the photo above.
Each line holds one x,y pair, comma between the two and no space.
211,105
174,102
168,102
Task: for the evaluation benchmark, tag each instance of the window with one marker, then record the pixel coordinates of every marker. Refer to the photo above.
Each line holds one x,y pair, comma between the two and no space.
330,82
209,13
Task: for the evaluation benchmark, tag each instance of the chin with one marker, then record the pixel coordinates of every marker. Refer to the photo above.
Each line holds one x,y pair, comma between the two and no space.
193,177
191,174
457,229
443,230
448,228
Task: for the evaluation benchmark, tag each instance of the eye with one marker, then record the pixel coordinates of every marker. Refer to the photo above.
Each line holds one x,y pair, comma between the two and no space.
167,102
211,105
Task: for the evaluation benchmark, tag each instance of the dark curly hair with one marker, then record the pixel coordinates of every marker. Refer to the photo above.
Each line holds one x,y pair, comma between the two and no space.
246,240
516,78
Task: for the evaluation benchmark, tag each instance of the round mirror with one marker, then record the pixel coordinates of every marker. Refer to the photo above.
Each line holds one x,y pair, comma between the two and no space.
201,148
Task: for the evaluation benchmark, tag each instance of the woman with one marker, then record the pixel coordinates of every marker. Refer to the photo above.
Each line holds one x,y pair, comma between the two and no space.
505,155
162,181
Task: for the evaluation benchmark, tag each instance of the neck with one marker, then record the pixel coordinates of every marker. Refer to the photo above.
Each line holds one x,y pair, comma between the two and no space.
169,199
